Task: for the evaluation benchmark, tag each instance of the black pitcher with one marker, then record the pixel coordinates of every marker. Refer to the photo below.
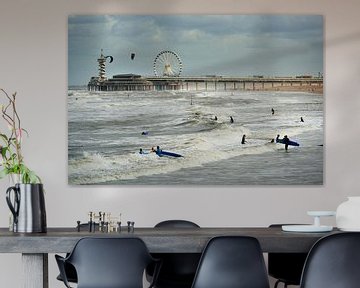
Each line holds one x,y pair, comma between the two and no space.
28,207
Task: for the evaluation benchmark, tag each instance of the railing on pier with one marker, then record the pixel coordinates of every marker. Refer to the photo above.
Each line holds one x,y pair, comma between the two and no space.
207,83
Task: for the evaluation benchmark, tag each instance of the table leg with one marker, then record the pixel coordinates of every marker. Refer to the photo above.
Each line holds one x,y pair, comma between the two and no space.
35,270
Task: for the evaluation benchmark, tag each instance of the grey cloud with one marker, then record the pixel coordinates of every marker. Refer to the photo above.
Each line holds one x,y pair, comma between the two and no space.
207,44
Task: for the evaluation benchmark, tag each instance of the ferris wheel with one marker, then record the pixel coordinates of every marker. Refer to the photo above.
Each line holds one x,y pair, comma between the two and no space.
167,63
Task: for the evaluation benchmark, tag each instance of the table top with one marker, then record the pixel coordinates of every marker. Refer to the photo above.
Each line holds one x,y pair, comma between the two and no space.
158,240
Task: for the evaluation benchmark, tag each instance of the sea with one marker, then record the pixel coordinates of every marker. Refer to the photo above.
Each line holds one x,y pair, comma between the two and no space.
106,131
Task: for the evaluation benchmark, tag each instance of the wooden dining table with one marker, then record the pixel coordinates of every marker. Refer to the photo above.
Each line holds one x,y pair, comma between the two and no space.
35,247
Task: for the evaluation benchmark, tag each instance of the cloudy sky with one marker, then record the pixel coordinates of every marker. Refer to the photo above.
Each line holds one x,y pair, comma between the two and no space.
228,45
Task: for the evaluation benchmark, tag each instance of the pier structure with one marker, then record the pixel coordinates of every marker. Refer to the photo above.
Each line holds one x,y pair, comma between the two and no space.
133,82
122,82
169,64
102,60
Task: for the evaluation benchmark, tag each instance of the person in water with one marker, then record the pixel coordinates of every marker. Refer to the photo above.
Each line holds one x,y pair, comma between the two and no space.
301,119
286,141
215,118
231,119
158,150
272,111
141,151
243,141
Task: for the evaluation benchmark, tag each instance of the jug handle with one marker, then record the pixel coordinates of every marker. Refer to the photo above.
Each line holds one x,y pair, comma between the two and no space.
13,208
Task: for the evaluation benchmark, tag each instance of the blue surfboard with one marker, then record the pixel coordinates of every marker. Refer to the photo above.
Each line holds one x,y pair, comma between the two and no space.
291,143
167,153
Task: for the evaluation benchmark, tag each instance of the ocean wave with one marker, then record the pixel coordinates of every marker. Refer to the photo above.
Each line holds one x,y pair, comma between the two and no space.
105,130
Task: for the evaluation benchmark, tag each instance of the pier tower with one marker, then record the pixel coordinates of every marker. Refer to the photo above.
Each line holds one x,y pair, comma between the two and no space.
102,62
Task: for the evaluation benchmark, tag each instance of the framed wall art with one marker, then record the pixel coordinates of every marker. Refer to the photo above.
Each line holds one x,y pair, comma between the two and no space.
195,99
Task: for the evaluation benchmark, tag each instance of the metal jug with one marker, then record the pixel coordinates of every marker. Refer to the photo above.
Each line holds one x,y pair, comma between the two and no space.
28,207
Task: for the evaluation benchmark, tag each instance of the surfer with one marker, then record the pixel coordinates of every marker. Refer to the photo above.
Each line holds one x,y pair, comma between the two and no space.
231,119
215,118
301,119
286,141
272,111
141,151
158,150
243,141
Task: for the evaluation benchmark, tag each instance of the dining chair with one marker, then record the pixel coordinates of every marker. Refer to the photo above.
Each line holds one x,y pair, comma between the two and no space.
69,269
333,262
108,263
285,267
178,269
232,262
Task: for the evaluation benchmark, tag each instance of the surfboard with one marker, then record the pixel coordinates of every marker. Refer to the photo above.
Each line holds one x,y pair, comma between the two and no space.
167,153
291,143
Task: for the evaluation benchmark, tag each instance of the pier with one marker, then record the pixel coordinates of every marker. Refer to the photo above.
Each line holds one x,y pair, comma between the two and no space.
133,82
173,81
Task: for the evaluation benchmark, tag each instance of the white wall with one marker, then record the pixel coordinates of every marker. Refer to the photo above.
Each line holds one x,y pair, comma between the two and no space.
33,62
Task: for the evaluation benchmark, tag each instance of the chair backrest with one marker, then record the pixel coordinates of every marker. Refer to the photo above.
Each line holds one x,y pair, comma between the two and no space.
176,224
232,262
110,262
178,269
333,262
287,267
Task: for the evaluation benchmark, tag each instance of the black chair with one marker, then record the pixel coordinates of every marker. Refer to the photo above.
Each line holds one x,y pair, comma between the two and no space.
286,267
70,273
333,262
69,269
176,224
232,262
108,263
178,269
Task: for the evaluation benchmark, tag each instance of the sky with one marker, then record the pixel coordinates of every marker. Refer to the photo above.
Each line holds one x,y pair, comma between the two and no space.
226,45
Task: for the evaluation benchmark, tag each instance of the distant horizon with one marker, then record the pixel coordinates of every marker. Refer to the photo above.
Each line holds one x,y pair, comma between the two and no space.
222,45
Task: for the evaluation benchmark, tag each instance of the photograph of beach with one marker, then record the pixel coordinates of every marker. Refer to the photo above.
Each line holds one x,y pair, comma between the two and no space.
195,100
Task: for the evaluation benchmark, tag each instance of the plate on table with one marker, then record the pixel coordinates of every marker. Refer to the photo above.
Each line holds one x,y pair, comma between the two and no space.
306,228
321,213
